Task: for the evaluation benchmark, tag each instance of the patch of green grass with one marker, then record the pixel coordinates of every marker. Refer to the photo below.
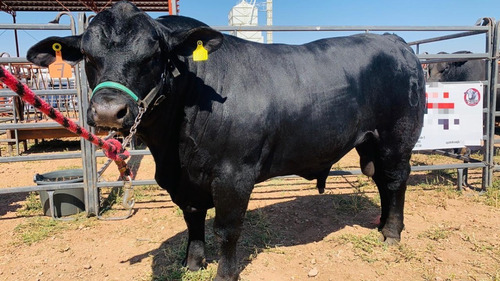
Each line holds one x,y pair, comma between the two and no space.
364,246
363,181
405,253
481,246
201,275
257,234
145,193
492,195
183,274
352,203
38,228
70,167
436,233
31,207
167,265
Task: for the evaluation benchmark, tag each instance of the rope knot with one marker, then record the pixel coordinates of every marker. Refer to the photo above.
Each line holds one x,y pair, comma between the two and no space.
115,151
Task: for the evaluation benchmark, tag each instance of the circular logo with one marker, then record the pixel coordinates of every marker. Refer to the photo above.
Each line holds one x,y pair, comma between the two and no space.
472,97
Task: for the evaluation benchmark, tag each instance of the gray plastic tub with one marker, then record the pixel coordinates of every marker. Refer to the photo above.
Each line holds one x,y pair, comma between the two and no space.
64,202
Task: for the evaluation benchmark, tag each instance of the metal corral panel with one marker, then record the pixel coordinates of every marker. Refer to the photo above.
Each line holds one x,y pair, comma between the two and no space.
88,5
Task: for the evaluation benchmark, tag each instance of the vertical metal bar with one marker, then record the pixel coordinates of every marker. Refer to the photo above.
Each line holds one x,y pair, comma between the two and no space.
487,95
269,22
88,152
492,100
460,179
15,33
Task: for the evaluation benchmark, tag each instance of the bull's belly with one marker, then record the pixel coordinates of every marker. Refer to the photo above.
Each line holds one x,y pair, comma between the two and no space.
307,164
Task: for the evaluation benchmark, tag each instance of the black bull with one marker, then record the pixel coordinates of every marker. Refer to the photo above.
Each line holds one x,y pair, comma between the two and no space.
250,112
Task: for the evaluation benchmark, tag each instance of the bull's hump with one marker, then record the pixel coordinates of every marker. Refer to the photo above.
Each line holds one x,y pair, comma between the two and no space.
124,8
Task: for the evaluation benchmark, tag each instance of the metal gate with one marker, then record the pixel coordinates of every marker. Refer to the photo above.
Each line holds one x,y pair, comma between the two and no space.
88,154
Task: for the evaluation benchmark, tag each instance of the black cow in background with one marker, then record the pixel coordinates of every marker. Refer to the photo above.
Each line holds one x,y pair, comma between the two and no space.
459,71
250,112
465,70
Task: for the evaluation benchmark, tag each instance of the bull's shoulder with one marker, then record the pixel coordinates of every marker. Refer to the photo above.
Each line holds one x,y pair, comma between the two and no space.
179,23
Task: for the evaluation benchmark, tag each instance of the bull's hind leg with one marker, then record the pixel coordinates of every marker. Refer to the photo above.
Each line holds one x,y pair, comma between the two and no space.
391,182
387,160
392,169
195,253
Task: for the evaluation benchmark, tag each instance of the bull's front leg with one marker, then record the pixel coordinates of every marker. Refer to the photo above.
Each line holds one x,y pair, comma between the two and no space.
230,208
195,252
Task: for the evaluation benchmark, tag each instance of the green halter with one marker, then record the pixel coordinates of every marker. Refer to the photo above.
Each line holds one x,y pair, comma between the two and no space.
116,86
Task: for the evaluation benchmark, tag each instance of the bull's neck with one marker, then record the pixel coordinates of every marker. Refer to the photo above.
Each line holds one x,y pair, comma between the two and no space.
190,92
160,124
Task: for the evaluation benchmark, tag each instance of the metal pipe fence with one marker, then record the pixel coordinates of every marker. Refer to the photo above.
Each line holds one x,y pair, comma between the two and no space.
89,155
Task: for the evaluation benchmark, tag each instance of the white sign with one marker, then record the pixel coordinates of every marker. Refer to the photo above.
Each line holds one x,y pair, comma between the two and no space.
454,116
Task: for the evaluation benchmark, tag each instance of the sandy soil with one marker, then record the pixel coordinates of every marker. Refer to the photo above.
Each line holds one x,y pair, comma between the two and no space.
291,233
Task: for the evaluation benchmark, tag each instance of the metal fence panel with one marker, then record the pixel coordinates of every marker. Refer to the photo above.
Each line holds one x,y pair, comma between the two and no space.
89,155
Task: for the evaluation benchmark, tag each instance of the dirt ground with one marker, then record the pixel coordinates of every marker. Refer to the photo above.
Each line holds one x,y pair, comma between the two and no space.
291,232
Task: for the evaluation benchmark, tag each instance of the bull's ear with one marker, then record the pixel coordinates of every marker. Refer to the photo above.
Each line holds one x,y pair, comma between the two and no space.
184,43
43,54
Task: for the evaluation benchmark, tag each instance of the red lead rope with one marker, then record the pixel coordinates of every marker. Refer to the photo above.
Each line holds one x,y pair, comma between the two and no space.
112,147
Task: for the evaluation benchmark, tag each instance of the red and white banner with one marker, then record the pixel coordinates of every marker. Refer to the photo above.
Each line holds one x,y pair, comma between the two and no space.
454,116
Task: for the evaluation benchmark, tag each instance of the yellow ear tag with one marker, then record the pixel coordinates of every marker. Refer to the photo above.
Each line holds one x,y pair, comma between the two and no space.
200,54
59,68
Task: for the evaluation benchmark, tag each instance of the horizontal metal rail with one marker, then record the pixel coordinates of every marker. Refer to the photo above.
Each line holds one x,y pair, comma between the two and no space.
41,187
365,28
59,156
28,126
153,182
475,165
30,26
451,57
5,60
446,37
56,92
62,186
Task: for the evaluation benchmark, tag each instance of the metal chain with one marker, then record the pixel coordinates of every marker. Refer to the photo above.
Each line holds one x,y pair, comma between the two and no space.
126,141
133,129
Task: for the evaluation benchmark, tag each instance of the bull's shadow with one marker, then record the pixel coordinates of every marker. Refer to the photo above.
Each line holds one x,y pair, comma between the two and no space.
303,220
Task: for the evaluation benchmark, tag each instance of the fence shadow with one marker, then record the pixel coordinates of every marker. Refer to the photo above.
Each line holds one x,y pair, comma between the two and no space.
304,220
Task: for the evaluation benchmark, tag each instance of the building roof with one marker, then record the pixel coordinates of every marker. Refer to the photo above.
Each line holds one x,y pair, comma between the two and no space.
79,5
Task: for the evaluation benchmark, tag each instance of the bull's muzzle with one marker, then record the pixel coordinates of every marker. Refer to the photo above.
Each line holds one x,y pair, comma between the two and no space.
109,107
108,114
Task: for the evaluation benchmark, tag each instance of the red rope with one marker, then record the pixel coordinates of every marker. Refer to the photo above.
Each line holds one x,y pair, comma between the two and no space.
112,148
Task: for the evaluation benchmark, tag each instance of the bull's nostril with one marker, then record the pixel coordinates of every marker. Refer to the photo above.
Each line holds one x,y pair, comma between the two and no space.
122,113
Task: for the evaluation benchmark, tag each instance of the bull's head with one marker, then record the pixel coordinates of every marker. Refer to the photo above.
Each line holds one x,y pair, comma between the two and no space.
127,56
